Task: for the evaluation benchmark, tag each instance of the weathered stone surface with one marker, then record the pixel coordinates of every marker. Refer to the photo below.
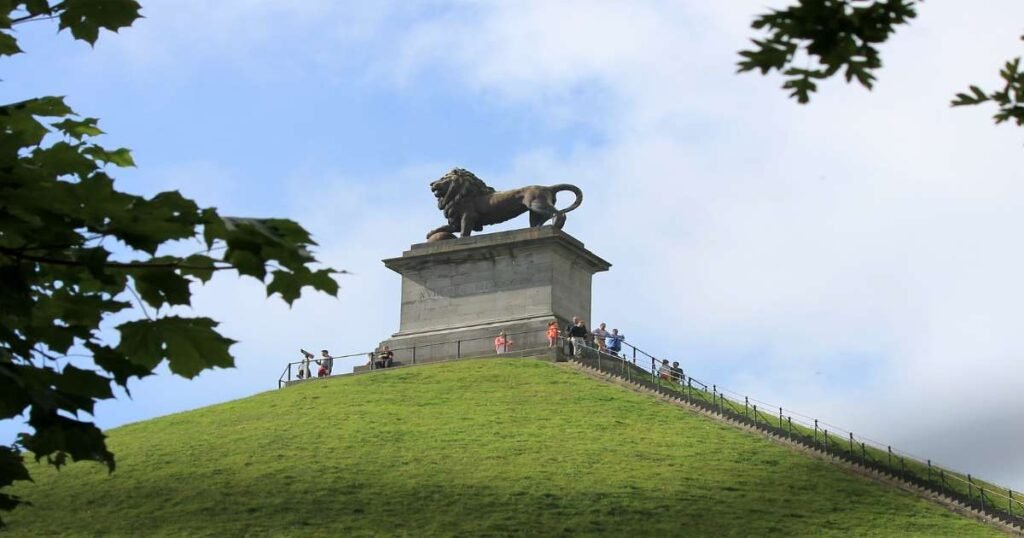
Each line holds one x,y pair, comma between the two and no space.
457,295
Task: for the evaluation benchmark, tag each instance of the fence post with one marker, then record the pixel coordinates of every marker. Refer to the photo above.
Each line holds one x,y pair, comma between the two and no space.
414,354
863,454
1009,504
815,432
942,481
599,360
890,457
458,349
851,446
969,484
780,418
982,490
289,371
790,420
746,407
755,415
652,375
689,390
929,471
903,469
826,441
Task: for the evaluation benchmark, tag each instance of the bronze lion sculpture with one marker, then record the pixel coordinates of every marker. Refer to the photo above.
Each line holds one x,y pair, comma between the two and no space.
469,204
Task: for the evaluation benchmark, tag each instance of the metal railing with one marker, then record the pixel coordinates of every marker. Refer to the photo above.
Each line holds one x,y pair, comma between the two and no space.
456,349
636,365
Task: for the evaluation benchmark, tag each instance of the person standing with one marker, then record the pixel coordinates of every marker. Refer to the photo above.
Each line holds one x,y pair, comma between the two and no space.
578,333
665,371
614,342
326,363
600,333
502,343
677,373
568,335
552,333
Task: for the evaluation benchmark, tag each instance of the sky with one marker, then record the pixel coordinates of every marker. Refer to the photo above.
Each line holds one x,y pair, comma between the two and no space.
856,259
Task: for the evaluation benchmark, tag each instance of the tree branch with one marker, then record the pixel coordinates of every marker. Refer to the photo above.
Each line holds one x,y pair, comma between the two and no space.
17,255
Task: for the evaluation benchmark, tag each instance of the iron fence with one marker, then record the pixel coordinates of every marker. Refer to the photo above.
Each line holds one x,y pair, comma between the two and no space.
640,367
464,348
636,365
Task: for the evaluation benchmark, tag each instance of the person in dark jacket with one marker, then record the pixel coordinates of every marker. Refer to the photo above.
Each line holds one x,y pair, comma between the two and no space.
578,335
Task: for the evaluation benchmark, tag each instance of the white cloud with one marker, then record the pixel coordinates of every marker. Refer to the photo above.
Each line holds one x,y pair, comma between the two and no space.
870,229
853,259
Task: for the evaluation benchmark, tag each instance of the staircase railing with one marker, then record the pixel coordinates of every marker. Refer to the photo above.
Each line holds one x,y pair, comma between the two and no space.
638,366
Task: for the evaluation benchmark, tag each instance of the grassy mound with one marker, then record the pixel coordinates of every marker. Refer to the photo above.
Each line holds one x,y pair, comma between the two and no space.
477,447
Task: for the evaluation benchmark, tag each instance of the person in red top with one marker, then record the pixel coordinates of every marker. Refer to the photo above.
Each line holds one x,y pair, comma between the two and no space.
502,343
552,333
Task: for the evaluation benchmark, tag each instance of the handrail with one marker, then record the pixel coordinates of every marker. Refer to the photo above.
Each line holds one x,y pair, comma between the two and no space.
997,501
286,375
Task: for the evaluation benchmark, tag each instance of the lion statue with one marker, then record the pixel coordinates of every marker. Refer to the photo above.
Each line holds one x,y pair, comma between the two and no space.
469,204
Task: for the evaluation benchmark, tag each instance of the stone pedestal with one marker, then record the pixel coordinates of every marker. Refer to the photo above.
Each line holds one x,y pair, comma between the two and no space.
458,294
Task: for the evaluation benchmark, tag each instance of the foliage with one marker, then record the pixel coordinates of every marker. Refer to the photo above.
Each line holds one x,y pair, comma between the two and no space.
492,447
842,36
74,251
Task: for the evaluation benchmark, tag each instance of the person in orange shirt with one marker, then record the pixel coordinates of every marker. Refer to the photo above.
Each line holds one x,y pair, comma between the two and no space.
552,333
502,343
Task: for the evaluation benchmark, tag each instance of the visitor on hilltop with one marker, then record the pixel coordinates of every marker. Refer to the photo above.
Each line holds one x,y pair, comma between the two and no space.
665,371
568,334
304,372
613,342
385,358
552,333
600,333
677,373
578,333
502,343
326,364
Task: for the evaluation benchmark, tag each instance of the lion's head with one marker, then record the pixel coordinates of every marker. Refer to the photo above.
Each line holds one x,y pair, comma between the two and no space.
456,188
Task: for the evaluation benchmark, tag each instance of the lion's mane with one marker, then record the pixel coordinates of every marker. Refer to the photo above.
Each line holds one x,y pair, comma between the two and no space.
455,190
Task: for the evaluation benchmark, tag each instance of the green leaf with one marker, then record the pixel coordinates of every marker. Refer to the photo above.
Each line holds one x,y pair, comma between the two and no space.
85,17
199,266
43,106
9,45
160,286
190,345
84,383
79,129
117,364
120,157
37,7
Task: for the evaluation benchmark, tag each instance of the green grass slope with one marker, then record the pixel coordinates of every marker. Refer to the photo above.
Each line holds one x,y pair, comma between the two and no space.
489,447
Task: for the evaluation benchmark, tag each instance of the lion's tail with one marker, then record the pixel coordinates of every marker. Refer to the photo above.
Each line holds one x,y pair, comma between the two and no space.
571,188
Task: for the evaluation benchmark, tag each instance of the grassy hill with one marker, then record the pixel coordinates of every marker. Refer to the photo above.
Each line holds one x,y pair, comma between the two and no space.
468,448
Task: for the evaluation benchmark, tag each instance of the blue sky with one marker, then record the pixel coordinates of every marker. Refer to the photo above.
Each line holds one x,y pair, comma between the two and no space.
854,259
